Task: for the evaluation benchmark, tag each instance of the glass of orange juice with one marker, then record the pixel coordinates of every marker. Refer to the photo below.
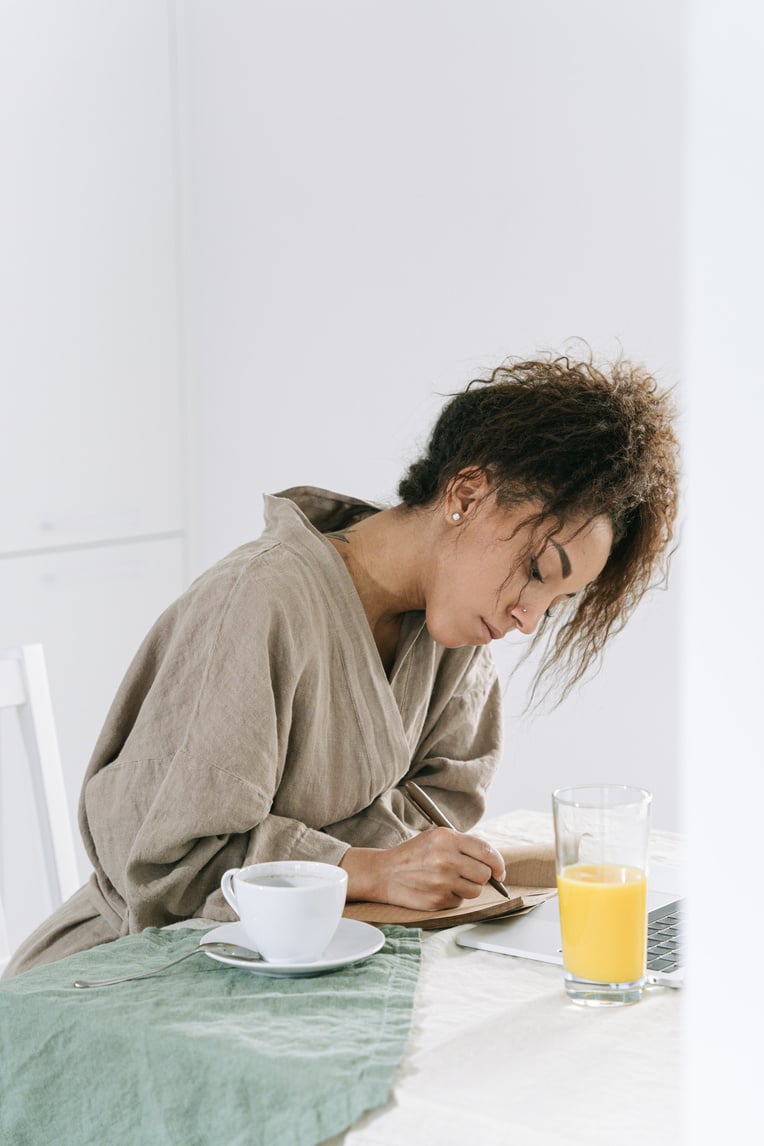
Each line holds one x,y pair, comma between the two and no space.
601,834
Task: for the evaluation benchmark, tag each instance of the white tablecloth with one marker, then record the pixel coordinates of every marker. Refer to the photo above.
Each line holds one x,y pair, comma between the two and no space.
499,1056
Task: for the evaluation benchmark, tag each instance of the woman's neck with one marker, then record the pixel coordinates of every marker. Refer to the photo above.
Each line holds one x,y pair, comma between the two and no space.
384,554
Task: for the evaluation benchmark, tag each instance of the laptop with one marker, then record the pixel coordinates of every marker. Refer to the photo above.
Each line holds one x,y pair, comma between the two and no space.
536,935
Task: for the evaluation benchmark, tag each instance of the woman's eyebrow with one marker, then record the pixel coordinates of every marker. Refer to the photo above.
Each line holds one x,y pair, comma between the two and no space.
564,559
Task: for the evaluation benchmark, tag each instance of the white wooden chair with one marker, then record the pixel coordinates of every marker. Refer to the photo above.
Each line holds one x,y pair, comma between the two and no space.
24,687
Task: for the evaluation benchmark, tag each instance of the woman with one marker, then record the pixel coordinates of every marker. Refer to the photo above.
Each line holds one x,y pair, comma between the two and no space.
276,708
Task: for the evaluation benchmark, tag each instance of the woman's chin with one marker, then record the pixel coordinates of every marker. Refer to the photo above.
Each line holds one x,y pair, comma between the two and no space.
446,636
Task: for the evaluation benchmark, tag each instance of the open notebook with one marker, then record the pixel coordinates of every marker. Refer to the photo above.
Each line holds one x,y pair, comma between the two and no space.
530,880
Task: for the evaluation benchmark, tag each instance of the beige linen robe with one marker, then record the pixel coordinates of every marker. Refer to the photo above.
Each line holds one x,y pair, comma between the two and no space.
256,722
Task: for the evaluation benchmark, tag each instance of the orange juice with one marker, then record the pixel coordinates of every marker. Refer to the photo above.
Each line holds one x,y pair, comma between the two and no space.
603,915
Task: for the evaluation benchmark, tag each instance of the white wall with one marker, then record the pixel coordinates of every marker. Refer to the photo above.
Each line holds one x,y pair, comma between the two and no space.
376,202
91,527
382,200
722,631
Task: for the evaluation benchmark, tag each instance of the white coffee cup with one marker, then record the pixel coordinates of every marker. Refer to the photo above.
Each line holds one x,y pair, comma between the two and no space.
289,909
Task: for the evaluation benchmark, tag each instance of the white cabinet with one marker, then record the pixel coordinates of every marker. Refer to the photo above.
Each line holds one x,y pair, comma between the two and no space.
89,423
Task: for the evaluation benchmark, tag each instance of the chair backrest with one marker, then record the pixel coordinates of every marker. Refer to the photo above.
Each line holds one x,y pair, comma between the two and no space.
24,687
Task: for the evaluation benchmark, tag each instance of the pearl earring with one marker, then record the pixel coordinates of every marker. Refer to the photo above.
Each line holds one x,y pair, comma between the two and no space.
456,517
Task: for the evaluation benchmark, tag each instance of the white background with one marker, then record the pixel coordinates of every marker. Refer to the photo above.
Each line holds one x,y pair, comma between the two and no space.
253,245
383,200
246,245
92,523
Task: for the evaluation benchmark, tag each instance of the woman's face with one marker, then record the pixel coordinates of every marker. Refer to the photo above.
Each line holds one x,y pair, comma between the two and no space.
485,582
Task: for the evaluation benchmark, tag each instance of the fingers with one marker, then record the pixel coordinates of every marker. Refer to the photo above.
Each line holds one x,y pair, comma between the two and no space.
456,866
482,851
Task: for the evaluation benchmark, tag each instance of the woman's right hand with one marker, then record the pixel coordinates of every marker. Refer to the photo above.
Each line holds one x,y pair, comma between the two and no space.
434,870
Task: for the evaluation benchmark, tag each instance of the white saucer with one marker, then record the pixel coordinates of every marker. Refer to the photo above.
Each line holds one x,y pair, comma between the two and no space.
353,941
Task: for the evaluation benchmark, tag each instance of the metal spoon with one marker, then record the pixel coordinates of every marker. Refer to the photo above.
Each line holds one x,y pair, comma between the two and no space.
231,950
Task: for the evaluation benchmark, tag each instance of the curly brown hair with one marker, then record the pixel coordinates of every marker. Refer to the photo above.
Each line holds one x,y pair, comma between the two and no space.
581,441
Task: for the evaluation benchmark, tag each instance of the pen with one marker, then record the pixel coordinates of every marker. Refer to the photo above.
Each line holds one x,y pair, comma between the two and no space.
430,810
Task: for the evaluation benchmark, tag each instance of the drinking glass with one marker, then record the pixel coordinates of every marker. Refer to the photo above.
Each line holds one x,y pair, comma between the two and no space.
601,835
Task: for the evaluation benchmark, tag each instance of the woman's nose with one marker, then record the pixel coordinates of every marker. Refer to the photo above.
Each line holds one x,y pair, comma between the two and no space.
526,617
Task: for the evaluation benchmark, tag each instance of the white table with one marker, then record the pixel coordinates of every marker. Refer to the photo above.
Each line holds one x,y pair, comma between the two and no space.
498,1055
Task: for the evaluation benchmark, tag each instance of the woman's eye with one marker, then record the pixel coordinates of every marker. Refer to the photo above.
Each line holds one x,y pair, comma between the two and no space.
535,572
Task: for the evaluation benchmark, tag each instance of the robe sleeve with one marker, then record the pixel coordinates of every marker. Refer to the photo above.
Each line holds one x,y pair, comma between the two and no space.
454,762
186,792
198,822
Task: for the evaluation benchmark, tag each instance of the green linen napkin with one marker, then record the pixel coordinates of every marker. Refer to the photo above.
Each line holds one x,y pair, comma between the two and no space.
205,1053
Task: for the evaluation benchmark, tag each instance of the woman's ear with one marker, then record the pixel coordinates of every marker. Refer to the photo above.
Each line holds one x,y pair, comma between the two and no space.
464,493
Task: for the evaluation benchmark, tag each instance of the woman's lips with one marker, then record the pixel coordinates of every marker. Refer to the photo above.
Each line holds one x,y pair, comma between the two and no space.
494,634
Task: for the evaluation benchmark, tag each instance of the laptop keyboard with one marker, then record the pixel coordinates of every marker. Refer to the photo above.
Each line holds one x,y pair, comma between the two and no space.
664,938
